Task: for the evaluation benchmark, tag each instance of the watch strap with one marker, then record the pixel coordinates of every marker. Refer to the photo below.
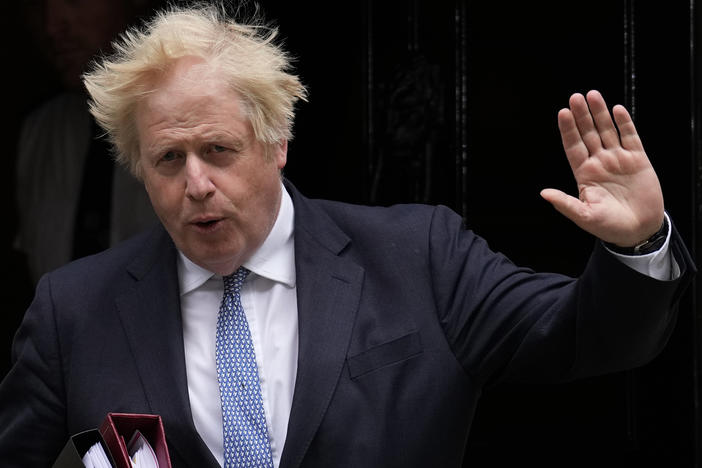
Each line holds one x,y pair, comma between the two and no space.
648,246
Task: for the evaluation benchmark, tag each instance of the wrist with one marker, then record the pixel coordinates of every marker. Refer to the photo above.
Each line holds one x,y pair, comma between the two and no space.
647,246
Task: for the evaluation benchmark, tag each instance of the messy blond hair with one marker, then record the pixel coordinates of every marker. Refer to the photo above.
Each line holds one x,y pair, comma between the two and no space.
244,54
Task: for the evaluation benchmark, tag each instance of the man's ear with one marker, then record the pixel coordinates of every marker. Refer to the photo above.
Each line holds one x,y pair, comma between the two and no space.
280,153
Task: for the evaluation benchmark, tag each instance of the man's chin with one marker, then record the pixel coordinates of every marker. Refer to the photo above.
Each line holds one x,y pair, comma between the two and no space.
216,264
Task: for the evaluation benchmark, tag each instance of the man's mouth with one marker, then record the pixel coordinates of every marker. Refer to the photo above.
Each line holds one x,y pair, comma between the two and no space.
207,224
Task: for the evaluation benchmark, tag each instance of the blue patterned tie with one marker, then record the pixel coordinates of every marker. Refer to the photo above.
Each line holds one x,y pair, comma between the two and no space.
245,434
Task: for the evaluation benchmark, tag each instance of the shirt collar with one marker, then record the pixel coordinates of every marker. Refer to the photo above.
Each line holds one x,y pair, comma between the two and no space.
275,259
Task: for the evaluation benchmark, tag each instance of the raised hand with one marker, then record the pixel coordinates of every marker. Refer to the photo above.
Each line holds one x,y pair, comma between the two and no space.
619,196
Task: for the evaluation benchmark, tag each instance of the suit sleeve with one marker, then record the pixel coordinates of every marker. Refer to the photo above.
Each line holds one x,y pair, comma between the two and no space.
505,322
32,412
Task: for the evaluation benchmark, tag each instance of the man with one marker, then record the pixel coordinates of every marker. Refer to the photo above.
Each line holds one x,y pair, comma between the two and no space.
371,330
71,199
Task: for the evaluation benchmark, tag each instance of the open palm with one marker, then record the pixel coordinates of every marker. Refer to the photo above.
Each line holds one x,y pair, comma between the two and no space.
619,196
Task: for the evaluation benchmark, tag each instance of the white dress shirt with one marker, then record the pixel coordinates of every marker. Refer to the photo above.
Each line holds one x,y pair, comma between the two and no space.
659,265
270,303
269,300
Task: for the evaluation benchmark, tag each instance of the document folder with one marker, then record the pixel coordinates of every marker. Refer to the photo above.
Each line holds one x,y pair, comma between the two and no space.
118,428
114,434
72,454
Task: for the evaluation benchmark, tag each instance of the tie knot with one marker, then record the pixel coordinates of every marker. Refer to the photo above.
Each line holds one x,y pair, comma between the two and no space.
233,282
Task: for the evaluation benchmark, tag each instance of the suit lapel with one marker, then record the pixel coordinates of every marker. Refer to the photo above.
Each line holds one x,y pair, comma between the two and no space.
150,315
328,292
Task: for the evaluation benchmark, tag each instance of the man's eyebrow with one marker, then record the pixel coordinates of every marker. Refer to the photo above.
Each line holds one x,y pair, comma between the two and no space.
155,148
223,134
229,139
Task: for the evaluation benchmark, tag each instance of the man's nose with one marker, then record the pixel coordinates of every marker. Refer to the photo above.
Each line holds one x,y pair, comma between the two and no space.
198,184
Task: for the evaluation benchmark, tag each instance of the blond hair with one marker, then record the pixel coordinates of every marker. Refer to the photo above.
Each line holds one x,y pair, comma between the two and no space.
244,54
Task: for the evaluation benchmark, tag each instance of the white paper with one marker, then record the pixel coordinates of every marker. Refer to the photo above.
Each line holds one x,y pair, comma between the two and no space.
96,457
141,453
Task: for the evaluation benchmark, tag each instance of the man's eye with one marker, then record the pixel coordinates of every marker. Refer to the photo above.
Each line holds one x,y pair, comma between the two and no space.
169,156
218,148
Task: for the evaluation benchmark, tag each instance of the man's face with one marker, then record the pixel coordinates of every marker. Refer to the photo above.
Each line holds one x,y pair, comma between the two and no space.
79,29
208,178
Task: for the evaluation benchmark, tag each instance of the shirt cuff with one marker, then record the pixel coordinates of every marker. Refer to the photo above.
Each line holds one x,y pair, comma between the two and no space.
660,265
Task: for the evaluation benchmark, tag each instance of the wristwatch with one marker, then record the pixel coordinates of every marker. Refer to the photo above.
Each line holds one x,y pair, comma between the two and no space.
648,246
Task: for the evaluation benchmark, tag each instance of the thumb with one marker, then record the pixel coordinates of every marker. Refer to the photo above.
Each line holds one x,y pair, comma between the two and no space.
567,205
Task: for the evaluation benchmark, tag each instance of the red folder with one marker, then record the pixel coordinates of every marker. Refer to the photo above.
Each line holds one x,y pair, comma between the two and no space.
118,428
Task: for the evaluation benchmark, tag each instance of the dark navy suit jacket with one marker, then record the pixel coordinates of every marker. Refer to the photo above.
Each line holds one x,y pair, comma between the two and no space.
404,317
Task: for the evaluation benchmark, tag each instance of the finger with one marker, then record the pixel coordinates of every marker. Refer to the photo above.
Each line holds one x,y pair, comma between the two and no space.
575,149
603,120
569,206
584,122
627,130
